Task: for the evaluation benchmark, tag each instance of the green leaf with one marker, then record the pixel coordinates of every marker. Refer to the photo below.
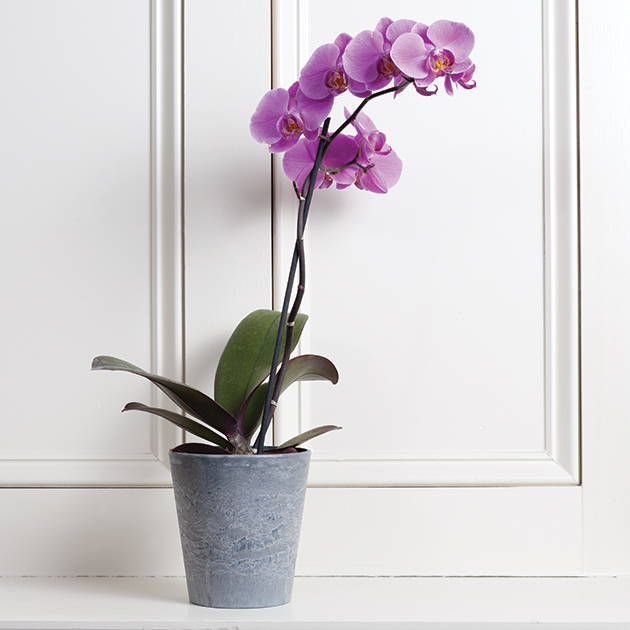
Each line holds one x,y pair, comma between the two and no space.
192,401
246,359
183,422
308,435
307,367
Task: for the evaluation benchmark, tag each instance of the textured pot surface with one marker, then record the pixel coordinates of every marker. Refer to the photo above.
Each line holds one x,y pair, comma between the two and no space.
239,519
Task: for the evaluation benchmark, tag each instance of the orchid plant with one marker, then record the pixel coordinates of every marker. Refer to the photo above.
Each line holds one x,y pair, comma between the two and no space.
256,365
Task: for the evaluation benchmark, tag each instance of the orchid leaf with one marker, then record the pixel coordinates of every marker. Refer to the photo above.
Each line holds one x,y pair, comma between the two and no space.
246,359
307,367
192,426
308,435
192,401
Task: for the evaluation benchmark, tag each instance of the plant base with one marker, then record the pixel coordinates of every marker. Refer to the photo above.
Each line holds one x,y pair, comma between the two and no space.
239,519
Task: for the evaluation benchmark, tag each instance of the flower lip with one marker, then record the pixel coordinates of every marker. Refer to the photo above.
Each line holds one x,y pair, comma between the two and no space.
386,66
290,125
440,61
336,80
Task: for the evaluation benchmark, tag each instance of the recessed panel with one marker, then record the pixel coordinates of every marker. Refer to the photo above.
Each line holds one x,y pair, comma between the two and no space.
75,226
430,299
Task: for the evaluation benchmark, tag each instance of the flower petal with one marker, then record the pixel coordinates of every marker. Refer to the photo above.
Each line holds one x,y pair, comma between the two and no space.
358,89
379,83
378,142
461,66
425,81
313,111
298,161
341,41
448,84
382,24
313,75
409,53
346,177
263,123
453,36
384,174
342,150
465,79
362,123
422,29
361,57
425,91
283,144
397,28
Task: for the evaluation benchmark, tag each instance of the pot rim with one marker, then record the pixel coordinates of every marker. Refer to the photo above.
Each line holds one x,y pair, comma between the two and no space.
300,451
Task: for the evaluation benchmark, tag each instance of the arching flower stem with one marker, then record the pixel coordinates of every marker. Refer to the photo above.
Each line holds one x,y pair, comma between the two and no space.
290,313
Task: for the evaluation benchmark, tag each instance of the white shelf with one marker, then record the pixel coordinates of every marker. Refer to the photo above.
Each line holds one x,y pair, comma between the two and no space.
331,603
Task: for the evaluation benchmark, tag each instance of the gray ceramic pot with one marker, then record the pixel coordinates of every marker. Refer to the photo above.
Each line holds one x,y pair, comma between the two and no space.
239,519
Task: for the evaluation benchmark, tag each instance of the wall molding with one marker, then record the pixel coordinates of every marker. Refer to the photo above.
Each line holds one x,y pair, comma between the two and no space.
167,156
167,332
562,332
559,462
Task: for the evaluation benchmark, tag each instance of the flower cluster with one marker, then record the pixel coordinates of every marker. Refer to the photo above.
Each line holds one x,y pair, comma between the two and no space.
400,53
365,160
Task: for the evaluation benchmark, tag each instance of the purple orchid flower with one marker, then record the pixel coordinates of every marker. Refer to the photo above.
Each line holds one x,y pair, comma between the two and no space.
442,49
377,167
283,116
324,74
366,160
369,139
367,57
383,173
342,152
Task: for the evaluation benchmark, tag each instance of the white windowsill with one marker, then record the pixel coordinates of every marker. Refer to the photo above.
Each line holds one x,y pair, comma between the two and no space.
331,603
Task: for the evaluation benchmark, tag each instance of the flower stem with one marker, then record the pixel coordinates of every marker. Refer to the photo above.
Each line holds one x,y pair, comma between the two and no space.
287,318
363,103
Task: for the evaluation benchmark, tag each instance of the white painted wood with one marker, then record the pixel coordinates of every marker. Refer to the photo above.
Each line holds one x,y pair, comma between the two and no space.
482,374
441,531
571,530
167,209
90,248
605,239
562,335
464,469
347,531
227,183
330,603
88,531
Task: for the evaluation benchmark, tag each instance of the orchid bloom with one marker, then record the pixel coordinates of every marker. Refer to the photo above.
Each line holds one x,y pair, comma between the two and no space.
378,168
283,116
442,49
401,51
367,57
341,153
324,74
366,160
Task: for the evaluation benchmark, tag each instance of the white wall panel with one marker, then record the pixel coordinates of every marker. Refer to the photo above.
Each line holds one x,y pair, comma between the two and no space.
454,333
89,531
227,186
91,172
605,221
88,216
